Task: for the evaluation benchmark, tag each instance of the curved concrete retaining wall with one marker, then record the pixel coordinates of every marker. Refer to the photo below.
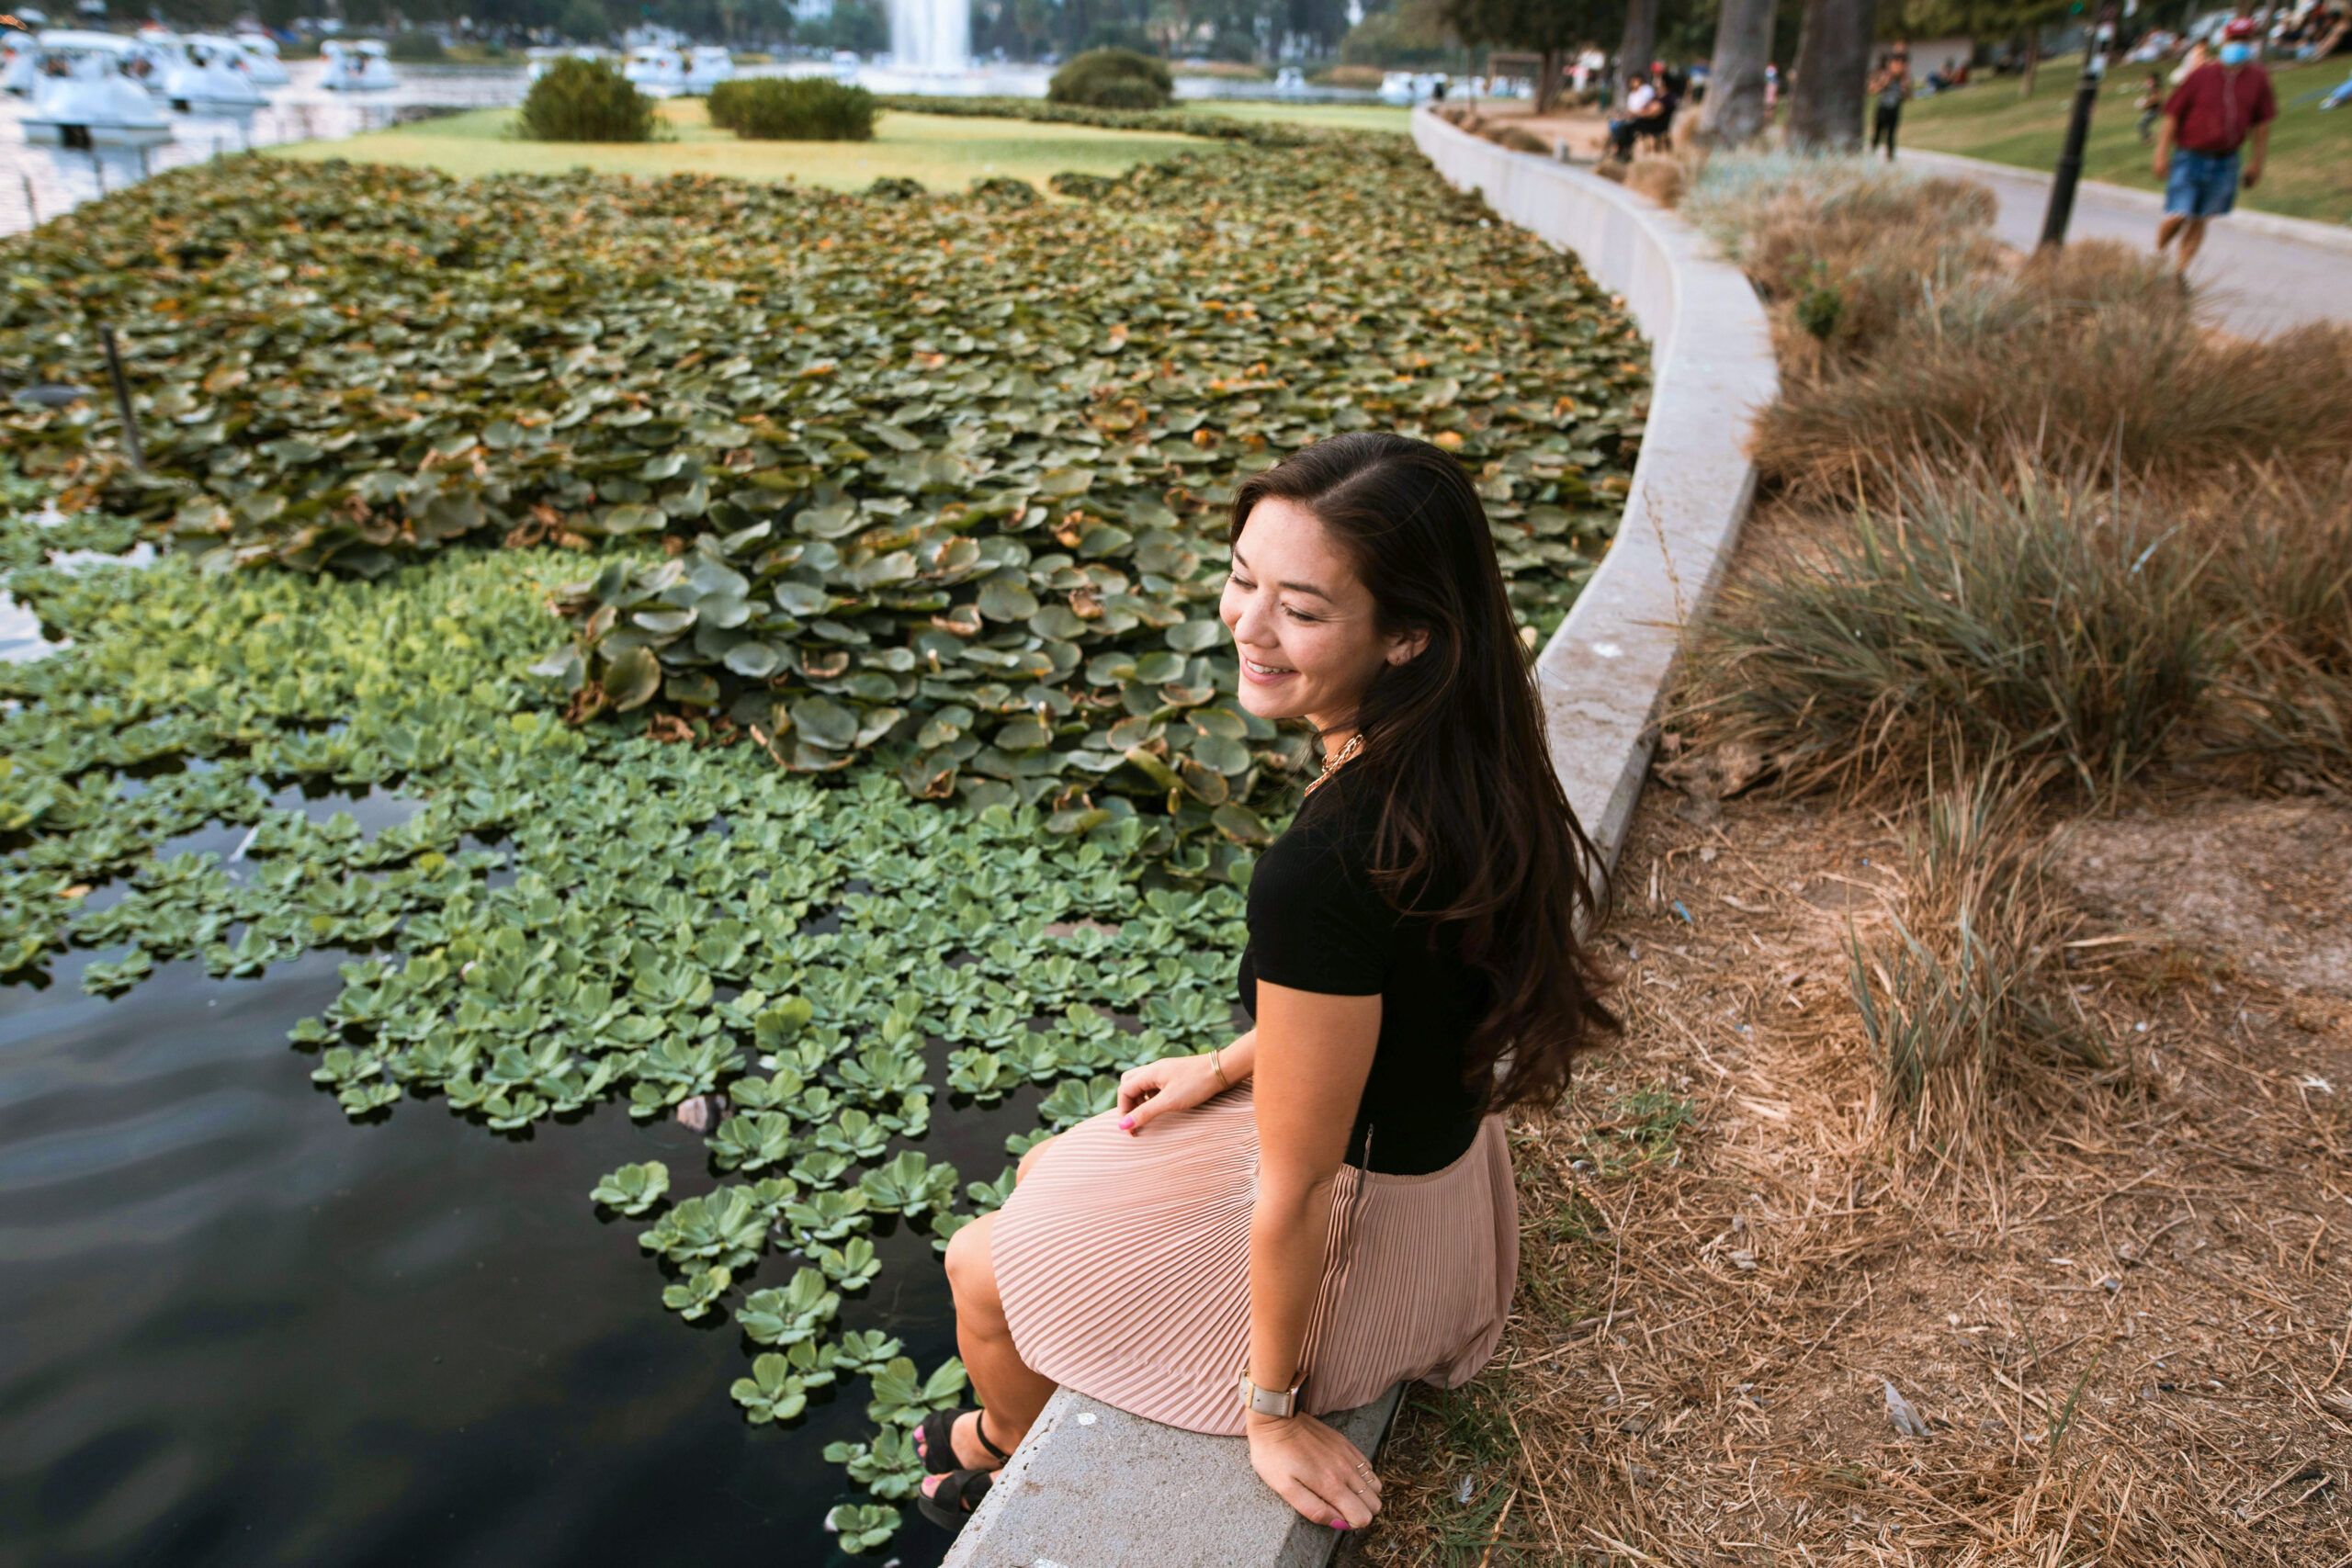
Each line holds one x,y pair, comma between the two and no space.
1711,366
1094,1487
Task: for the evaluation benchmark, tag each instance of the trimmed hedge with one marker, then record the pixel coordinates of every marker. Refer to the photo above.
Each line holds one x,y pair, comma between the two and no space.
787,108
1113,79
586,100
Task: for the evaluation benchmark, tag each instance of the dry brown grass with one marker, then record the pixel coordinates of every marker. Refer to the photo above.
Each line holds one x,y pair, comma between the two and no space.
1905,331
1843,252
1970,1189
2125,1332
1660,176
2002,613
2094,357
1518,138
2282,576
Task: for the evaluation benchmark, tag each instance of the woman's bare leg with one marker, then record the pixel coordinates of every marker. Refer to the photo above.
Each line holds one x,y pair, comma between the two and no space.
1012,1394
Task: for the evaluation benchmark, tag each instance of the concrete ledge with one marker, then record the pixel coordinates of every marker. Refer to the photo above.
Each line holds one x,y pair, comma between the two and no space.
1094,1487
2301,230
1710,368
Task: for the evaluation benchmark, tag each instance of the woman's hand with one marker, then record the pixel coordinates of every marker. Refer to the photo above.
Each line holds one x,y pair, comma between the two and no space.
1172,1083
1314,1469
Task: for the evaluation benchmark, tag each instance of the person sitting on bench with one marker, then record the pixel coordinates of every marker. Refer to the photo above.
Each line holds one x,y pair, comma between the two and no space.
1644,107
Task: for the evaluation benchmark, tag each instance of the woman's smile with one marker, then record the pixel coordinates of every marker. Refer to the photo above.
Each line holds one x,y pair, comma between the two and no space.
1305,627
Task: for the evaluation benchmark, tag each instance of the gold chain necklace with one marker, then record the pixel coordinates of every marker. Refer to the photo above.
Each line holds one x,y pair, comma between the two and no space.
1331,763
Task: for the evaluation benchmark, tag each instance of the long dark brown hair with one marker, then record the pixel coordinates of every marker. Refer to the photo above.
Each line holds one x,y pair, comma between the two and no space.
1474,826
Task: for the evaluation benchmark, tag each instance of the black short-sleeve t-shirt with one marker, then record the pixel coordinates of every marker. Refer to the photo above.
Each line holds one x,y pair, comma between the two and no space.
1318,923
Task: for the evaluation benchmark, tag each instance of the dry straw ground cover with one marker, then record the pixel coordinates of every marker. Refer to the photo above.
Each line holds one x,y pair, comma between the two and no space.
1971,1185
2125,1342
787,617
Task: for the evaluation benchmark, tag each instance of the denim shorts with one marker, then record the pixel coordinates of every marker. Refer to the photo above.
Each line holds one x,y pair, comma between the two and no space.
2202,184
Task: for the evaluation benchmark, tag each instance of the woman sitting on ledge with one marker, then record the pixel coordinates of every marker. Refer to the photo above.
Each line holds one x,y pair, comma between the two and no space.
1290,1225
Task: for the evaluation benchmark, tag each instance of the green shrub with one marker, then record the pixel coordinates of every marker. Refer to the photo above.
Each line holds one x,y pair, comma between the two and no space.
418,48
782,108
1113,79
586,100
1002,190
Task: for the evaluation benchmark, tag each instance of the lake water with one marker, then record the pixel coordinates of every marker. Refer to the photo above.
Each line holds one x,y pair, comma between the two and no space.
237,1329
45,181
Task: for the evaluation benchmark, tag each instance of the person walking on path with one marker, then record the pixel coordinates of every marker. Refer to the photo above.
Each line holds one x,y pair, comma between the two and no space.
1889,87
2207,119
1292,1223
2151,107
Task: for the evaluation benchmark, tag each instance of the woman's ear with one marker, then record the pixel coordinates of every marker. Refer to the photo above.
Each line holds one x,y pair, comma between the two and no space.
1407,647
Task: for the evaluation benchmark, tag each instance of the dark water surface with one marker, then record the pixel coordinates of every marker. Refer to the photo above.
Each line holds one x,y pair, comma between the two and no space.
237,1329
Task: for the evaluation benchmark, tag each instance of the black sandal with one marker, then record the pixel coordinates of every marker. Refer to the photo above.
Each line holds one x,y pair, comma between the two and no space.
939,1443
955,1498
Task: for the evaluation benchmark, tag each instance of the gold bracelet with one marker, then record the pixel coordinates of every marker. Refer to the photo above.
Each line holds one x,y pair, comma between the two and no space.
1217,1061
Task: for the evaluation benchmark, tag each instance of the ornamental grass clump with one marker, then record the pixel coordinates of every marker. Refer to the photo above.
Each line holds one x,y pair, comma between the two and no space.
1113,79
1864,236
1904,331
586,100
1959,1001
803,108
2092,354
1988,614
2281,581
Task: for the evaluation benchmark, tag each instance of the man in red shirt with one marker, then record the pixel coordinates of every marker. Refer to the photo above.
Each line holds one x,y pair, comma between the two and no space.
2207,119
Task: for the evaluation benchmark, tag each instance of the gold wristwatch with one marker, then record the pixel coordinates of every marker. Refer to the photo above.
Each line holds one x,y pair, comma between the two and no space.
1271,1401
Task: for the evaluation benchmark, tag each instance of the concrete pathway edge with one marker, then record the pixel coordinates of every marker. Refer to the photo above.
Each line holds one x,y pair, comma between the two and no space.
1095,1487
2301,230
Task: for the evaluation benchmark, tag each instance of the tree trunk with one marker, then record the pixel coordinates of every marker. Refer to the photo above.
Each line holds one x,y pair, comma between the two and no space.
2032,60
1832,71
1547,82
1639,45
1734,112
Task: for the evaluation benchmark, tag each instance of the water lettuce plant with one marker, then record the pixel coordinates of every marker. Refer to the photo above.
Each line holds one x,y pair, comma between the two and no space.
881,746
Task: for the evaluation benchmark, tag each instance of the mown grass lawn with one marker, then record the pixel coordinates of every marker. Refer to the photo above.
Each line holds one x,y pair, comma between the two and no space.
944,153
1343,117
2310,169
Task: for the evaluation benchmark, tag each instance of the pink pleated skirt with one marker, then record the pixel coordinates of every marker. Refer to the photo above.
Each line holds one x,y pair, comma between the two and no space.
1124,1265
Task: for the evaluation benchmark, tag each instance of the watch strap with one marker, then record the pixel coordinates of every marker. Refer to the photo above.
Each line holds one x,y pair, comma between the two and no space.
1271,1401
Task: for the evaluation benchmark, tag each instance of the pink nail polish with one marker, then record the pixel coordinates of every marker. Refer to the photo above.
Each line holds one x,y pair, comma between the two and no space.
1126,1123
1340,1525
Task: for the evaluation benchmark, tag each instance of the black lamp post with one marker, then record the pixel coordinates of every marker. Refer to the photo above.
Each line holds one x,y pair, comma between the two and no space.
2078,131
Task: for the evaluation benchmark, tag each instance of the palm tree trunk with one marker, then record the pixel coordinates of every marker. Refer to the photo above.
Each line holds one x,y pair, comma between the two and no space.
1734,110
1833,68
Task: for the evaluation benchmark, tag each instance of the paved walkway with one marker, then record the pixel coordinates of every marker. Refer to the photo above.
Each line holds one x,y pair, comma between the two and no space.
2257,283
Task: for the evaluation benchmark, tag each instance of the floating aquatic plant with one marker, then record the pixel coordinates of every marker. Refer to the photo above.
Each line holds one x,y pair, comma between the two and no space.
857,505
